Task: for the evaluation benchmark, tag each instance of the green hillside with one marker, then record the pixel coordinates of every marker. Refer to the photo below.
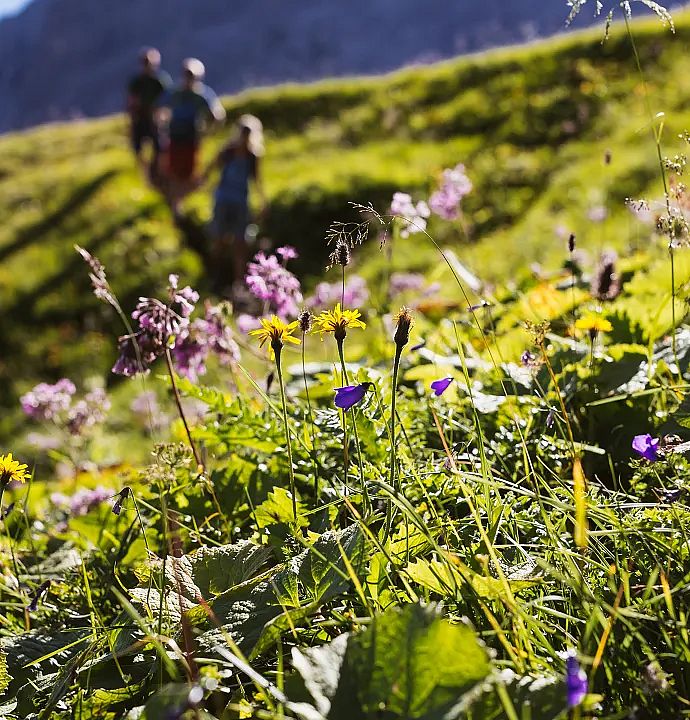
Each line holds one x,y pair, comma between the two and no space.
532,125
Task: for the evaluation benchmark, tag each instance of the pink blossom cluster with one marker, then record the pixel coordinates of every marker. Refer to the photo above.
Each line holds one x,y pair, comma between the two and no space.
270,281
455,184
82,501
413,217
55,403
47,402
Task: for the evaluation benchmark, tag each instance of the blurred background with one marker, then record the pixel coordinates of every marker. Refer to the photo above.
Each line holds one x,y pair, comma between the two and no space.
61,59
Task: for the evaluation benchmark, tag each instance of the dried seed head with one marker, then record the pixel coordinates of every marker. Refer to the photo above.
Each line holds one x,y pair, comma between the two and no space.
306,320
403,324
607,157
340,254
606,284
571,243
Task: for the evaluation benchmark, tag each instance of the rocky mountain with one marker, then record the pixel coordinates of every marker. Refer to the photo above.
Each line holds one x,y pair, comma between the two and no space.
70,58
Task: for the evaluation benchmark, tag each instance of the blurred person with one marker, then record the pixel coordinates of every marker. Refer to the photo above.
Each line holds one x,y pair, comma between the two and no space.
239,164
143,93
188,110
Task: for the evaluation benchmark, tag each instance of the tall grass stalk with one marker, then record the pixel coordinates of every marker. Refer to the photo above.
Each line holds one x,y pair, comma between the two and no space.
277,349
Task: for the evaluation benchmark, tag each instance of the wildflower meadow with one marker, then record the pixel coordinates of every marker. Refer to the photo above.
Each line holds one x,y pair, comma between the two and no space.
398,487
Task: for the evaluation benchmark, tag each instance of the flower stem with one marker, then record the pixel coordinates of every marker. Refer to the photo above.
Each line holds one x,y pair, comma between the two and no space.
178,402
287,436
393,460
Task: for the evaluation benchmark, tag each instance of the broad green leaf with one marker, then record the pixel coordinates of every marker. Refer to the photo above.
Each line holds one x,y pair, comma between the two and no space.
410,662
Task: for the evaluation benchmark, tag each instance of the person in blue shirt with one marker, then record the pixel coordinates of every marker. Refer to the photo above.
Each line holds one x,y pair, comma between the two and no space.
239,164
188,110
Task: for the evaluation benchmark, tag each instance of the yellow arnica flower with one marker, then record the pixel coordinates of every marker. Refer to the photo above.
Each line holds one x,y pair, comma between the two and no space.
11,470
338,321
593,323
276,333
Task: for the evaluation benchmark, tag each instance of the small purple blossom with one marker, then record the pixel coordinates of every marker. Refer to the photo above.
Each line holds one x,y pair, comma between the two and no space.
47,402
326,294
413,217
440,386
597,213
271,282
455,184
246,322
646,446
575,681
350,395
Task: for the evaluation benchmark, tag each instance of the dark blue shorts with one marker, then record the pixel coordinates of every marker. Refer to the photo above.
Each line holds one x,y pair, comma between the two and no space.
230,218
144,130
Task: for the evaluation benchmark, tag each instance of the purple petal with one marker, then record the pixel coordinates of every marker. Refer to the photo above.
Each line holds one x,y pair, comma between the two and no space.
646,446
440,386
348,396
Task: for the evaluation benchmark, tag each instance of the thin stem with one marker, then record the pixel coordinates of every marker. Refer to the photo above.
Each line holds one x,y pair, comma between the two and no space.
178,402
311,420
342,299
287,435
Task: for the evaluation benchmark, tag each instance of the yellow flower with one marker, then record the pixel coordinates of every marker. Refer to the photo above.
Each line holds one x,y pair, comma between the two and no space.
593,323
276,333
11,469
338,321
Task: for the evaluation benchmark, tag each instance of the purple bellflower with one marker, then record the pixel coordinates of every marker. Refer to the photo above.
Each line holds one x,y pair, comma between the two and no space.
575,681
646,446
440,386
350,395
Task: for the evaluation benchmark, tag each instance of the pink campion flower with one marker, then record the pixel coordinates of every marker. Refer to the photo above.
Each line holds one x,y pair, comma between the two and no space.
455,184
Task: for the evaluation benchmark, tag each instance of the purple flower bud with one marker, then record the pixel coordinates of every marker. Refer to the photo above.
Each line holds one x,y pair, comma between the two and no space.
33,605
575,681
440,386
646,446
350,395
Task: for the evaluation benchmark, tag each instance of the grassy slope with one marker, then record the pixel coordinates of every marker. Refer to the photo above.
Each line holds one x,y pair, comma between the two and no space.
531,124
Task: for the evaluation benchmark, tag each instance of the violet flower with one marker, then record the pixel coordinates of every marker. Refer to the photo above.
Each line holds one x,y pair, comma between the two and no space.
646,446
287,252
575,681
440,386
350,395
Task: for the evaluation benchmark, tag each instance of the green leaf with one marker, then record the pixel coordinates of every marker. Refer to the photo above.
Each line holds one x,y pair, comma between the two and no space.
410,662
447,580
277,510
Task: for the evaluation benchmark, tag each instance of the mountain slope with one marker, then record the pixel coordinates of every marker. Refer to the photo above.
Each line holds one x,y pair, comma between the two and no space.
66,58
531,124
